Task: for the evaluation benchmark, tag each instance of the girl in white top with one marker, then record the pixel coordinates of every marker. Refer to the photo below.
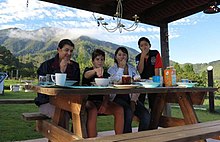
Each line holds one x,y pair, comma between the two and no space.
130,102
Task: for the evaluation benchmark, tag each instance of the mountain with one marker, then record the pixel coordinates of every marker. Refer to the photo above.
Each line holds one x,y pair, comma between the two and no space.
41,44
38,45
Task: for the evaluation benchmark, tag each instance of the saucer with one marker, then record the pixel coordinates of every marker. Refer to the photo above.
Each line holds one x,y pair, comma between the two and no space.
126,86
186,84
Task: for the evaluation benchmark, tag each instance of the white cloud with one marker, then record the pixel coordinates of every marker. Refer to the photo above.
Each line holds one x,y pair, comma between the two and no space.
40,14
191,20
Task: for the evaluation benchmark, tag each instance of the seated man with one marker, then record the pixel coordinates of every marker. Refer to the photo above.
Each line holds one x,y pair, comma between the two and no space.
99,104
61,63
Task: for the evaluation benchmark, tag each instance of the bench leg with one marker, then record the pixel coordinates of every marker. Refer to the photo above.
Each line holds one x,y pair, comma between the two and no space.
188,111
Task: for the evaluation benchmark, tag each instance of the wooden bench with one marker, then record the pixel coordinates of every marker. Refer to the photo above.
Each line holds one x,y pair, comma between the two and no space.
34,116
16,101
49,129
187,133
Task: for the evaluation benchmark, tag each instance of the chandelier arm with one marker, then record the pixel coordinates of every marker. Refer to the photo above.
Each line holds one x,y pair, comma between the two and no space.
132,27
119,25
109,30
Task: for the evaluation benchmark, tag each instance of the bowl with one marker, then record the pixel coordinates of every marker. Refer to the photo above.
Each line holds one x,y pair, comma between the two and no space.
102,81
149,84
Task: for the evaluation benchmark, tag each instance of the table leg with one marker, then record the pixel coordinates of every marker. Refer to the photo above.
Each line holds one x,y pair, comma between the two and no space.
60,118
187,108
75,104
157,111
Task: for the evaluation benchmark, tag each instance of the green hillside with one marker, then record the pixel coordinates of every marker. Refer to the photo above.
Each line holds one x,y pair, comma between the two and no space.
31,48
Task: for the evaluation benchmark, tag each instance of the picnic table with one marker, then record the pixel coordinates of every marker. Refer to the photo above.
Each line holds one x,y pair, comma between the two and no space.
73,100
27,85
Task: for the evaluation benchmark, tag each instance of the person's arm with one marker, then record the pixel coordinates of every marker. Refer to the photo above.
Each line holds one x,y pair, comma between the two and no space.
89,74
134,99
156,71
158,64
115,73
140,66
96,71
78,75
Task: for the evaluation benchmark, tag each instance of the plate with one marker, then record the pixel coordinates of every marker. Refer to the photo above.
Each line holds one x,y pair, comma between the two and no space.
84,87
149,84
185,84
126,86
70,82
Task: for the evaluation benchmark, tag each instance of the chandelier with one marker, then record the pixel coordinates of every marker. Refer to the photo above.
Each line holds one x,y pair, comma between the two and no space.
118,18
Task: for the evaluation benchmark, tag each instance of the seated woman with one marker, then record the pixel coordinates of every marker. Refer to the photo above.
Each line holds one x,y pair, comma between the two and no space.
129,102
99,104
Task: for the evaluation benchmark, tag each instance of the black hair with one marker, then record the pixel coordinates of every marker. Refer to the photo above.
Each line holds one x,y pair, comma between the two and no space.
97,52
124,50
65,42
143,39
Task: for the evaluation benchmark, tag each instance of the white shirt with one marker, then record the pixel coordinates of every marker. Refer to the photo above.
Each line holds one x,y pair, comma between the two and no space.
116,75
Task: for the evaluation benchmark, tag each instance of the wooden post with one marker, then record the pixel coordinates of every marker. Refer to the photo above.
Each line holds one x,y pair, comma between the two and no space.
164,39
211,94
17,74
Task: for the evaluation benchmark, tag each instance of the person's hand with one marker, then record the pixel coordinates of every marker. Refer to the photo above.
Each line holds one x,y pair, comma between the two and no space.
63,64
144,50
102,108
132,105
99,71
122,64
137,77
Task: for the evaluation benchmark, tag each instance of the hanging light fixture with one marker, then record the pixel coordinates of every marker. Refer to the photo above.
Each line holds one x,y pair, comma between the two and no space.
212,8
27,3
118,18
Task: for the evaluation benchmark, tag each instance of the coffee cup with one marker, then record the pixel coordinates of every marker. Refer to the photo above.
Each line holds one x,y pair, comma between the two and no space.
126,79
42,80
48,78
184,80
60,78
156,79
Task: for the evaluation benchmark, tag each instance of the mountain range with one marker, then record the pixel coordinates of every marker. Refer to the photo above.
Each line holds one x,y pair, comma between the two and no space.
41,44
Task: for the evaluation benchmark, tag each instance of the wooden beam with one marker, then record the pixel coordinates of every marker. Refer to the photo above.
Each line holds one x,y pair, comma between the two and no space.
34,116
187,133
171,122
55,133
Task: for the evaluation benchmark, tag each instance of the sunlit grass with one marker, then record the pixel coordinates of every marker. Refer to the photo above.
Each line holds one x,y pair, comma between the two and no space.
14,128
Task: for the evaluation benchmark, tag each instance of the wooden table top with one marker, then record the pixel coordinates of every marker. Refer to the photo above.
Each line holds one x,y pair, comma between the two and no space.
113,90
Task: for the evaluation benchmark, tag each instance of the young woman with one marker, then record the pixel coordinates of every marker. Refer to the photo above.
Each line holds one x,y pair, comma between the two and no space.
100,104
129,102
148,64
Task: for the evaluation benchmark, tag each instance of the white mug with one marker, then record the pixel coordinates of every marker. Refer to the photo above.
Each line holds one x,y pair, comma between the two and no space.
60,78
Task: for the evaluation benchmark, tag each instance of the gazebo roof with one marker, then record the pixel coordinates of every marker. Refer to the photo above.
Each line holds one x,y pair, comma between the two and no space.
153,12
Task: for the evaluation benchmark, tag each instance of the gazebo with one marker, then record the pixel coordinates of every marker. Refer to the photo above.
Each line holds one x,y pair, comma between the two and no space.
153,12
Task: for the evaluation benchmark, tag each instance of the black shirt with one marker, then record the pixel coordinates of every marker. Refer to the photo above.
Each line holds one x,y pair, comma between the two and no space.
87,82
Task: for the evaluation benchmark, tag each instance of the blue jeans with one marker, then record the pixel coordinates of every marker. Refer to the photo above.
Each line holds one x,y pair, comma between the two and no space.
143,114
140,111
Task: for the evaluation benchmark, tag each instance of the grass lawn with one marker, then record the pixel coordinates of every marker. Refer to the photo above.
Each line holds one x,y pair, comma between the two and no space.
14,128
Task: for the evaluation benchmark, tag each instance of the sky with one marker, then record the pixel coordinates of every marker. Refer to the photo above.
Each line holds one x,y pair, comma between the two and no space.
194,39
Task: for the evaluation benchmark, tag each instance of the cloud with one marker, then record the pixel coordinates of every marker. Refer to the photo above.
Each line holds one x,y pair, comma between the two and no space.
75,22
187,21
